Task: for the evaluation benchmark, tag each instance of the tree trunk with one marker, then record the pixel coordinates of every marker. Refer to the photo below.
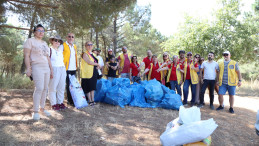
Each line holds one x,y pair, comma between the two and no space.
115,35
22,70
97,39
91,35
104,45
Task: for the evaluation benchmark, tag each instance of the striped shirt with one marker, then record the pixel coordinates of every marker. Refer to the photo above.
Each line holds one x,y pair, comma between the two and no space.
225,73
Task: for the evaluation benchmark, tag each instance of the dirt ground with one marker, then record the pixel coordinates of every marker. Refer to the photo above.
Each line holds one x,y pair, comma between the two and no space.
111,125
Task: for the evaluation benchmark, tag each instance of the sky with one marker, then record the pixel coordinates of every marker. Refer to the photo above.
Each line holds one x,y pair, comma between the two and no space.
166,15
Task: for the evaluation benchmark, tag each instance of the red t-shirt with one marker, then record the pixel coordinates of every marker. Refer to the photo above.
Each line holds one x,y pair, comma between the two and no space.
188,74
134,69
126,66
147,62
173,76
154,74
181,63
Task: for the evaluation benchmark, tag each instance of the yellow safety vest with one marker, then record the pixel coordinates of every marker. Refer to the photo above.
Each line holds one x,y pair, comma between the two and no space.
232,75
193,73
122,60
87,70
150,71
178,74
66,55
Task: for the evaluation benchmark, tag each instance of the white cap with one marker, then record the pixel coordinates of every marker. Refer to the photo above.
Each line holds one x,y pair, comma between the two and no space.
226,52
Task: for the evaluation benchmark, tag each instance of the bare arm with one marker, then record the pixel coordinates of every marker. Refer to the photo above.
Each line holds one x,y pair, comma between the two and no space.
50,66
164,68
27,54
146,70
87,60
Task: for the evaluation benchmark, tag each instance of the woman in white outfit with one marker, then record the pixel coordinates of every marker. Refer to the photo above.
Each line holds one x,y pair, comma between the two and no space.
58,82
38,68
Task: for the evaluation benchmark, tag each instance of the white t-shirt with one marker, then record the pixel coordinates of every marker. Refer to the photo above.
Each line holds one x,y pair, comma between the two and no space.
56,57
100,61
210,69
72,60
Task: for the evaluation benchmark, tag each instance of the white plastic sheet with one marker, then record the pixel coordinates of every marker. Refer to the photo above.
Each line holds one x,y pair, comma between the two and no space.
188,115
77,93
188,133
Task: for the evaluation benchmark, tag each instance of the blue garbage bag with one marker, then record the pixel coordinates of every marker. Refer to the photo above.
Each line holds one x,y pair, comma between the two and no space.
171,101
101,88
144,83
154,92
118,95
138,96
121,81
166,90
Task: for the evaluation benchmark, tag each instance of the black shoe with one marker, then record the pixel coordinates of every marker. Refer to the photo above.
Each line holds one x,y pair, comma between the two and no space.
231,110
212,107
200,105
257,132
71,104
192,104
220,108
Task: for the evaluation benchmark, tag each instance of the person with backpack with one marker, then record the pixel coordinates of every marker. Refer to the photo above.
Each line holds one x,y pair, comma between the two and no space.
58,82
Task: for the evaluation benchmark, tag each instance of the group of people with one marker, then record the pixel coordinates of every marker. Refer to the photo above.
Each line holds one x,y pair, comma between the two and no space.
50,67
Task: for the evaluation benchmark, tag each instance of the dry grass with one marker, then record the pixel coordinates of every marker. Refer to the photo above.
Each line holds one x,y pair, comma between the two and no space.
249,88
109,125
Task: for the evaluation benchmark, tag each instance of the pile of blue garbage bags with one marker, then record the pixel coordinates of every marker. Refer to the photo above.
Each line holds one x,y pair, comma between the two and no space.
147,94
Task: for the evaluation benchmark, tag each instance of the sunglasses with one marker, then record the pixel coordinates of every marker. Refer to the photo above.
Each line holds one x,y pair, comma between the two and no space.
189,55
71,36
165,56
225,54
89,44
197,57
38,30
55,40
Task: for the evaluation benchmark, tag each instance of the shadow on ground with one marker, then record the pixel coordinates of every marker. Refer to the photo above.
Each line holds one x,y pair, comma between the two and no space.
110,125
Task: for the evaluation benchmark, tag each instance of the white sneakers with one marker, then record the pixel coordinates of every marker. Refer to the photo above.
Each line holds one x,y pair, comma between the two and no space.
36,116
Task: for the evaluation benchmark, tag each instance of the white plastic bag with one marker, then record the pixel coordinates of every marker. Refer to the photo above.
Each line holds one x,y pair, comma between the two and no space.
173,123
188,133
257,121
77,93
188,115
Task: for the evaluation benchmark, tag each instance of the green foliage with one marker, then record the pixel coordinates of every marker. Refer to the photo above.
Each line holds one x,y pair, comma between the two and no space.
11,54
250,71
16,82
229,30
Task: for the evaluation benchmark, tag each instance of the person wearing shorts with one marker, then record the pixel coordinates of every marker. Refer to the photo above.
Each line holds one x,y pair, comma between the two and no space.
228,78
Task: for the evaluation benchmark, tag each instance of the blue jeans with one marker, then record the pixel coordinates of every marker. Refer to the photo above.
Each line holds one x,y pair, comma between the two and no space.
224,88
174,84
136,79
186,85
111,78
125,75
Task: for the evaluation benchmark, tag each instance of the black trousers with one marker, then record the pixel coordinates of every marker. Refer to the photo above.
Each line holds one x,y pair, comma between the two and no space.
69,97
211,84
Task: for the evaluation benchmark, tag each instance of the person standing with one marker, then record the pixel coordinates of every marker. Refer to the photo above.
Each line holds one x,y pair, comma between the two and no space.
153,70
124,63
197,58
58,82
100,61
112,69
38,68
70,61
134,70
89,73
147,61
190,78
228,78
210,69
166,60
174,75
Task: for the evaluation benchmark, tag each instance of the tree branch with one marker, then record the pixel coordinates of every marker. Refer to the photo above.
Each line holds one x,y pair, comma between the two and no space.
9,26
34,4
